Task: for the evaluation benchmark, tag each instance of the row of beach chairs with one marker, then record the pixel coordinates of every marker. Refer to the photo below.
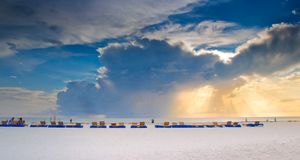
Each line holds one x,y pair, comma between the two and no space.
15,123
102,124
212,125
54,124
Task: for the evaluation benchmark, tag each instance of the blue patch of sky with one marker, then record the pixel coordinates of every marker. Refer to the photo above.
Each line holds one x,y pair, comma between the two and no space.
47,69
258,13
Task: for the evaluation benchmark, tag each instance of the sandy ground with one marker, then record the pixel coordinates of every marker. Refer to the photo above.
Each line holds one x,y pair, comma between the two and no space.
275,141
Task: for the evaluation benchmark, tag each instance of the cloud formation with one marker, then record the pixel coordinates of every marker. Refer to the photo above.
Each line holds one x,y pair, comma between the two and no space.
204,35
275,48
152,77
16,101
137,78
34,24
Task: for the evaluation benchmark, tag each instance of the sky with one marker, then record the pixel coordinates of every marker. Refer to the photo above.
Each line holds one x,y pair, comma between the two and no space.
145,58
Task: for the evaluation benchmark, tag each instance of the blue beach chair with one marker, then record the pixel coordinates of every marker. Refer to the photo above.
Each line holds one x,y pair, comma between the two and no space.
59,125
101,125
42,124
140,125
115,125
255,124
164,125
77,125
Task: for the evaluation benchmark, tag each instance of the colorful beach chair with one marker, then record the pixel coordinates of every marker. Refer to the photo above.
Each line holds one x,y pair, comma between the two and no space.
164,125
140,125
255,124
60,124
76,125
119,125
13,123
198,125
231,124
42,124
181,125
101,125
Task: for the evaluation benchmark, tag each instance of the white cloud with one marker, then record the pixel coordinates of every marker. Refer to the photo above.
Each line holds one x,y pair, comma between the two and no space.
294,12
53,23
102,72
205,35
19,101
223,56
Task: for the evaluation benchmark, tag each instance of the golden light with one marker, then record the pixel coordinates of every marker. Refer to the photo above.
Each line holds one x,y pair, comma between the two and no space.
257,97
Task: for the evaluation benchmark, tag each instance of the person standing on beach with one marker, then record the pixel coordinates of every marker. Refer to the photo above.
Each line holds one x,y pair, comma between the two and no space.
152,121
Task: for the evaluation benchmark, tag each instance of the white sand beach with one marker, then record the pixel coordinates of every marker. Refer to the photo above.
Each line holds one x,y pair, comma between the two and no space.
274,141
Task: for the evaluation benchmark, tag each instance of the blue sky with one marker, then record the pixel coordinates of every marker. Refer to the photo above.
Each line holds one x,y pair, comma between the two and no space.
135,58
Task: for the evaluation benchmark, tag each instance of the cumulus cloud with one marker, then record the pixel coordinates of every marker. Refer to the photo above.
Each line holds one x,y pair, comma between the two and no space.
152,77
275,48
34,24
19,101
139,78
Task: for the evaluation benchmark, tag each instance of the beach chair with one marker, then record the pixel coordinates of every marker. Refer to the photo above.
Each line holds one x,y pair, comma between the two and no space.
164,125
77,125
119,125
102,124
4,124
255,124
138,125
53,124
17,123
94,125
210,125
143,125
216,124
231,124
41,124
228,124
198,125
236,124
134,125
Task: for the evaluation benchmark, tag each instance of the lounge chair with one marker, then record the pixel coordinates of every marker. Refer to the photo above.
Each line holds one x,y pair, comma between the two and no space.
4,124
41,124
102,124
180,125
164,125
19,123
255,124
59,125
210,125
77,125
233,124
140,125
119,125
198,125
95,125
216,124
